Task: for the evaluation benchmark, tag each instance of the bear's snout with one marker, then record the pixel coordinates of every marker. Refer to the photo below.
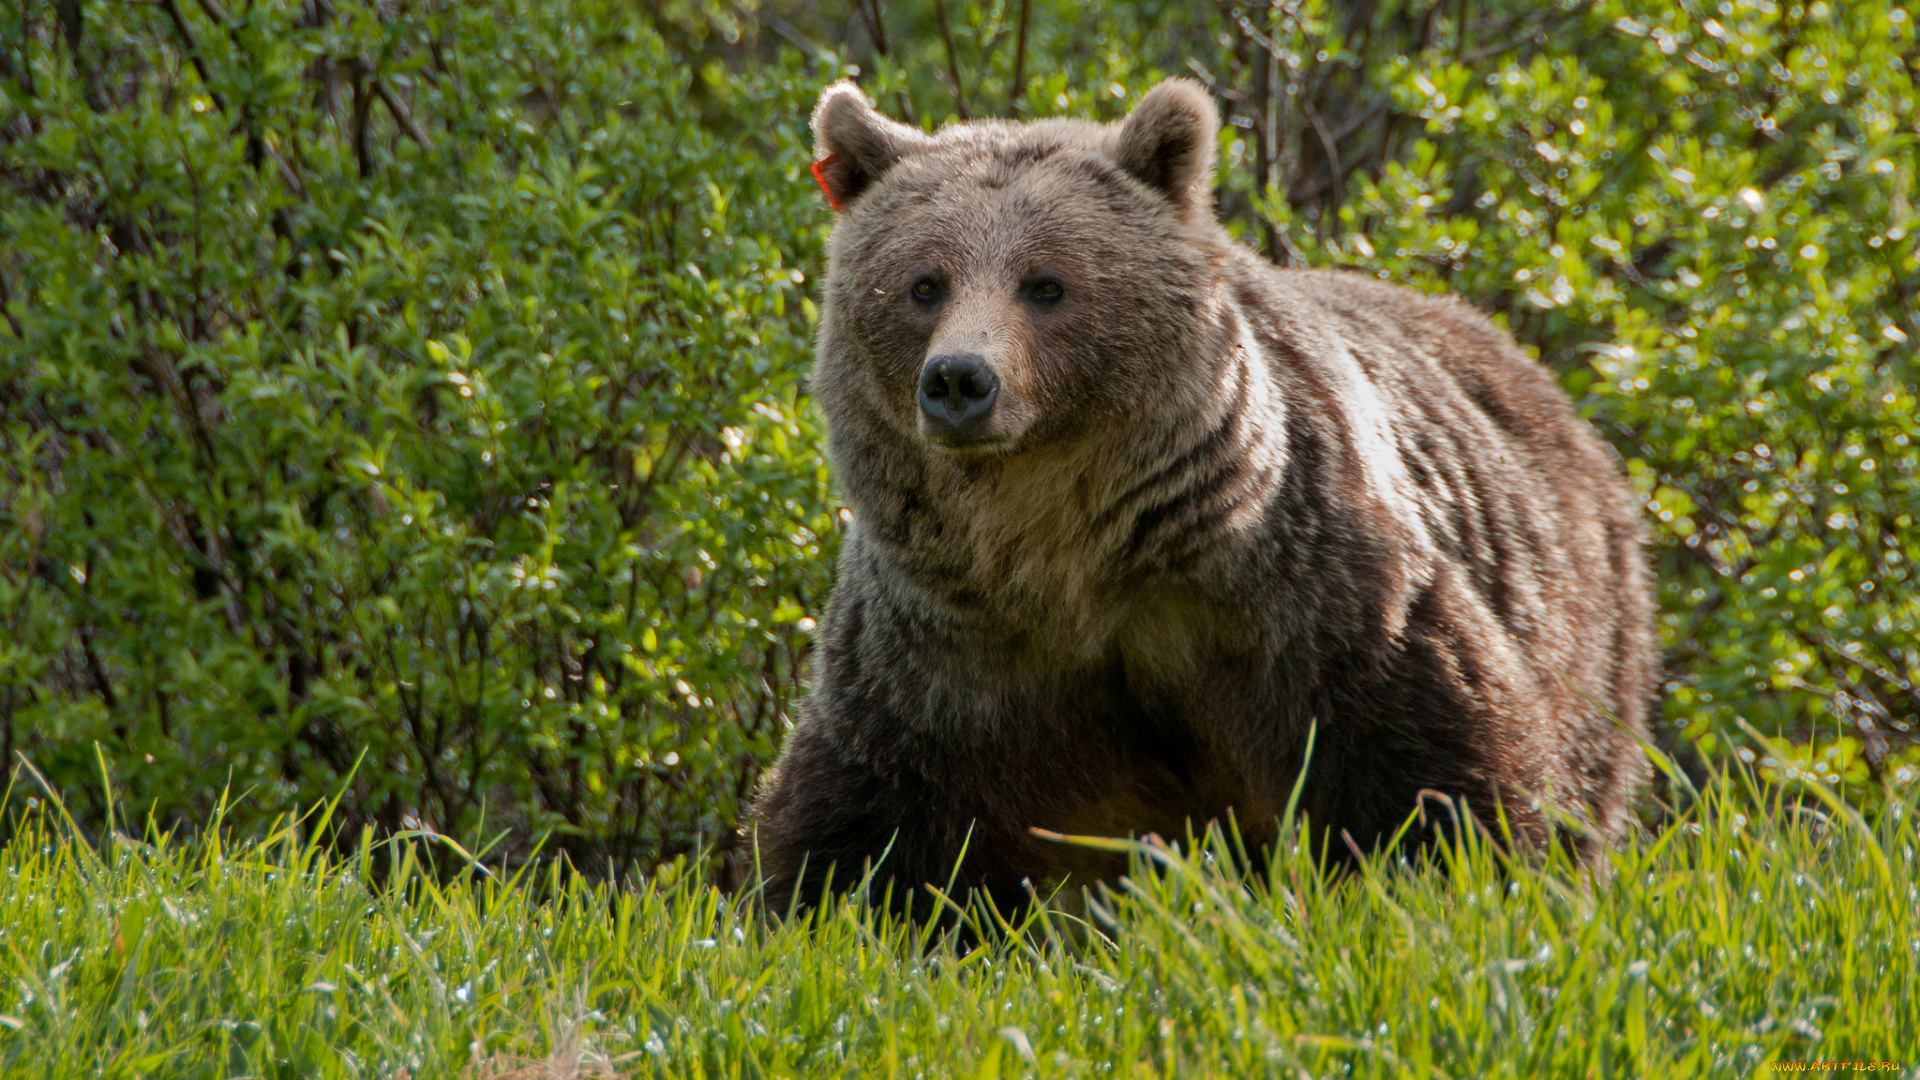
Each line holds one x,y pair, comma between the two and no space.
957,392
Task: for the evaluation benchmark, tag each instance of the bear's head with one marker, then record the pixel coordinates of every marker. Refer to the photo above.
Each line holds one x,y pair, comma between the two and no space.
996,286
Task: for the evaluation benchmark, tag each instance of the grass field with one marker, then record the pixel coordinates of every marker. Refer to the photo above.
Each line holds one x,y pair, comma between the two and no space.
1752,931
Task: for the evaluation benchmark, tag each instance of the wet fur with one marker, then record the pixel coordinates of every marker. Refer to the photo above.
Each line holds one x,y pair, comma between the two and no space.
1233,502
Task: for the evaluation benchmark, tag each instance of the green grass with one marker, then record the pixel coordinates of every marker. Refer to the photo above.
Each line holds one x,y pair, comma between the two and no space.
1750,932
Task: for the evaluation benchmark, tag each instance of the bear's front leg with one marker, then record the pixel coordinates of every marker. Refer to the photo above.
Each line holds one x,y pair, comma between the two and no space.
836,810
899,764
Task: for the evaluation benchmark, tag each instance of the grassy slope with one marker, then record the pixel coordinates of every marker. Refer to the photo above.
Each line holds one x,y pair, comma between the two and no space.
1717,946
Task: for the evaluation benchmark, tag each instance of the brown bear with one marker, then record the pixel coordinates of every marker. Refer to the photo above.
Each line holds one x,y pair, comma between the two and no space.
1134,510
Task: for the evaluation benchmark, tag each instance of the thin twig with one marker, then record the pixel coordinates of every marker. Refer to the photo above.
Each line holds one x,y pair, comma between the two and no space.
192,43
22,75
1213,85
953,60
1295,257
1263,144
6,300
362,106
1884,674
1019,60
793,35
286,172
1540,28
213,11
1367,116
1334,173
73,28
876,30
400,115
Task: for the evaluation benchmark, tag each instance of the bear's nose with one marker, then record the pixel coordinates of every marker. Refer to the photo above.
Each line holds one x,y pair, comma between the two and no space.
956,394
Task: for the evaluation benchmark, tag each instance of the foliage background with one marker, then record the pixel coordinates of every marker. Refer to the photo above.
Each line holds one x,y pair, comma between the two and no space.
426,380
420,383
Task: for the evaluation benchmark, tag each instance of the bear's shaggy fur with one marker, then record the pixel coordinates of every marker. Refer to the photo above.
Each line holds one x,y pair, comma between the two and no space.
1211,504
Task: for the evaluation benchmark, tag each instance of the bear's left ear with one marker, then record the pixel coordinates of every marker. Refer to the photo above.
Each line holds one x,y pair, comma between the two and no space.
1169,142
855,145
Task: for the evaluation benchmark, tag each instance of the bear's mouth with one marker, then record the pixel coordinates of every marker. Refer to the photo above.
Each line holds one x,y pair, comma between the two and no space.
985,444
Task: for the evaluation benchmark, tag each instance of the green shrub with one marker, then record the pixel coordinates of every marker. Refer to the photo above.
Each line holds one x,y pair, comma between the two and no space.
324,430
416,383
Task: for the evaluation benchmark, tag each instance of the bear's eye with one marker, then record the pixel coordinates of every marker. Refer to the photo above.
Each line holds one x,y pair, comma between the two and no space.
926,289
1045,290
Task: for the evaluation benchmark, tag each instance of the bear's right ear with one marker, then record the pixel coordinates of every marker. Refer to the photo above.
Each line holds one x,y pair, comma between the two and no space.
853,144
1169,141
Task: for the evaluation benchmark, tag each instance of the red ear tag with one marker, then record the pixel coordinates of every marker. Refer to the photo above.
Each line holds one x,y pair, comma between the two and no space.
820,178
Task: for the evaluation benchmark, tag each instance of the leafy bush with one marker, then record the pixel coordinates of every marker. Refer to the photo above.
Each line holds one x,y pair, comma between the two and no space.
422,379
420,383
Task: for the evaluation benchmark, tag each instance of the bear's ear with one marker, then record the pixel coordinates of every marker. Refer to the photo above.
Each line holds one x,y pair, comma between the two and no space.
1170,140
853,144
